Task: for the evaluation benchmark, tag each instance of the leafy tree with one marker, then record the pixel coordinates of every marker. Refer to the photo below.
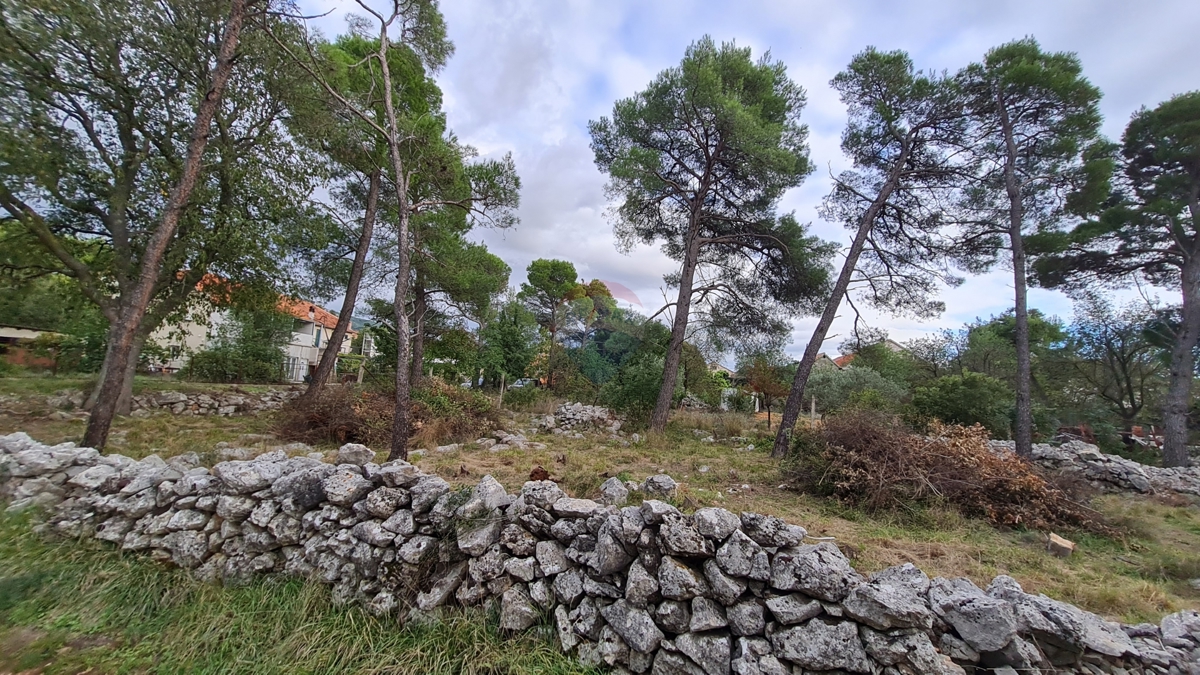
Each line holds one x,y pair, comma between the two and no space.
1149,230
248,347
1113,357
765,375
424,161
835,389
970,398
136,154
1035,119
451,275
551,285
508,341
698,161
904,132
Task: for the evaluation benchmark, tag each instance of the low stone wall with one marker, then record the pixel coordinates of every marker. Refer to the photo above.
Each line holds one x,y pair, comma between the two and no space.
643,588
1110,472
216,402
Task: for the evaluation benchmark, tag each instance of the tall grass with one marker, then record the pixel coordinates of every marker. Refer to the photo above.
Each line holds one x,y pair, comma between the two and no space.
69,606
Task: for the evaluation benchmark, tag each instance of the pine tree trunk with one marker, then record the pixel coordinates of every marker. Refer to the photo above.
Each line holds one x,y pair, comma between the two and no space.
662,407
125,401
402,413
329,357
1178,400
1016,220
133,307
420,307
795,399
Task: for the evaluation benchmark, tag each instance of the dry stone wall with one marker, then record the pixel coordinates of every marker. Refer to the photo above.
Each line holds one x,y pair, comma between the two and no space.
221,402
1110,472
642,588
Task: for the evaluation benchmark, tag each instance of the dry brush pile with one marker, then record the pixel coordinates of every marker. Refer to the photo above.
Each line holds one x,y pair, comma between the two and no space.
875,462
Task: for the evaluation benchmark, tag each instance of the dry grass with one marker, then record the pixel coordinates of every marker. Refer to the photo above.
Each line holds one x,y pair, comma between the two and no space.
1142,574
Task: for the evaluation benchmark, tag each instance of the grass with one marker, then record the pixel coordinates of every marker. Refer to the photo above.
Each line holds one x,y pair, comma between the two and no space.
41,383
80,606
1140,576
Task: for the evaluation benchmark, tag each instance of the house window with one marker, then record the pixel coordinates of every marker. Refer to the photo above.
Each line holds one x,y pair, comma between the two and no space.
317,336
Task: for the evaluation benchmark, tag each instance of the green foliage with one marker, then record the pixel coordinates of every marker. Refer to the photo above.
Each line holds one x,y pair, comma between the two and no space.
634,389
970,398
836,389
248,348
509,341
139,616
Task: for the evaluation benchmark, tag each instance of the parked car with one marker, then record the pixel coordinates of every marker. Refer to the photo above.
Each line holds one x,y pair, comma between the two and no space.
523,382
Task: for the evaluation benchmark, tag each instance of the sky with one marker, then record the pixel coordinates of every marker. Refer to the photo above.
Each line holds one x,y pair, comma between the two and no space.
528,75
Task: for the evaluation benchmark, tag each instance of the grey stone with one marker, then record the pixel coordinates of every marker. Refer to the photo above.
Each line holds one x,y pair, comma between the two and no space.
907,647
383,502
425,493
187,520
244,477
401,522
715,523
525,569
344,487
746,618
567,507
355,453
737,555
551,556
669,663
517,611
235,508
681,538
816,645
93,477
188,548
659,485
709,651
475,537
303,488
885,605
793,609
611,555
567,639
653,511
983,622
820,571
568,587
725,588
518,540
677,581
443,586
399,473
771,531
634,625
541,493
640,585
706,615
674,616
613,492
416,550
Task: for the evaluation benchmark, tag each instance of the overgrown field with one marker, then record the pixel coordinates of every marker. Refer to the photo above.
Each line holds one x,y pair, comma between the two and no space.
1142,573
80,606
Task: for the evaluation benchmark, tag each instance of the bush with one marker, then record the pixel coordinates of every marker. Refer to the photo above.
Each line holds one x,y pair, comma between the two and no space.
874,461
862,387
634,389
229,363
526,397
441,413
971,398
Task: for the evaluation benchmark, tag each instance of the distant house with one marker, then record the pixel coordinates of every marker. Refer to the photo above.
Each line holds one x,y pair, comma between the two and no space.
846,359
13,341
312,329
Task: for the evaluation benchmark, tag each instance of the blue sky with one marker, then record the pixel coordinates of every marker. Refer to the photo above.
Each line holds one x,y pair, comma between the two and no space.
527,76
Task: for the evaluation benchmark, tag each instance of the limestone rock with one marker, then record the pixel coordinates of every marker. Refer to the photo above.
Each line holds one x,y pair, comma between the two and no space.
817,645
820,571
344,487
355,453
634,625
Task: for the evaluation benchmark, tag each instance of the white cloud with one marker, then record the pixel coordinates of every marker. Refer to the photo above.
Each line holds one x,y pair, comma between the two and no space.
528,75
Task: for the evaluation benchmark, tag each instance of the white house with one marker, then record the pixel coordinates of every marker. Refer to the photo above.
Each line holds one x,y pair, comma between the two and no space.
312,328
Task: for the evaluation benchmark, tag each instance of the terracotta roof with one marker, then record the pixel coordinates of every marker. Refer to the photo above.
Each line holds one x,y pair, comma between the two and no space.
844,360
310,311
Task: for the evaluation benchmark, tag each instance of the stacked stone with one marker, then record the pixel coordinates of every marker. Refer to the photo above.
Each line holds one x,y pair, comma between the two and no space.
642,588
180,403
571,418
502,440
1110,472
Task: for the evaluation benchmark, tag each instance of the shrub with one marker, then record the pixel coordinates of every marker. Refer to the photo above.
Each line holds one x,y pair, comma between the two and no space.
863,387
967,399
633,391
441,413
874,461
523,398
